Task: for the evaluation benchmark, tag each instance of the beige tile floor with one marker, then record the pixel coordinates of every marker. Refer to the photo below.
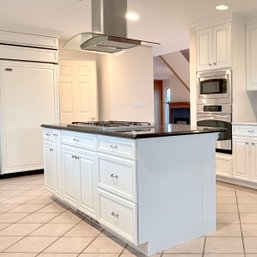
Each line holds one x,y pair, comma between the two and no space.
33,224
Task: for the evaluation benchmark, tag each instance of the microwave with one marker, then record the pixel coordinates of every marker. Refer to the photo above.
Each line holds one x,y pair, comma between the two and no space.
214,87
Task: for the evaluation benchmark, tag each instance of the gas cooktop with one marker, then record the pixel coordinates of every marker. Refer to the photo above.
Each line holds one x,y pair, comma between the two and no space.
112,125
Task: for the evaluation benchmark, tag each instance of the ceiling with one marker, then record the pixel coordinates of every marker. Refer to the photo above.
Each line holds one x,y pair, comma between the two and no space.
163,21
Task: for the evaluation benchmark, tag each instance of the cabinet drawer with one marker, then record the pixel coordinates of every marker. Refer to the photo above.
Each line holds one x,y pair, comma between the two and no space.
117,176
50,134
118,215
244,130
116,146
82,140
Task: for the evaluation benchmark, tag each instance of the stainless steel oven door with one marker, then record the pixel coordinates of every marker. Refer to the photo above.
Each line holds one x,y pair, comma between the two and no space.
224,143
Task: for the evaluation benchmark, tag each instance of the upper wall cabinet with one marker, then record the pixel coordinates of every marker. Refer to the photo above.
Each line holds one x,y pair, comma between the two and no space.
251,55
213,47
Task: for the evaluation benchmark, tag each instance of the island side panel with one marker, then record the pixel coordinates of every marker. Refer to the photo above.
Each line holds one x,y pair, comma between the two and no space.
176,189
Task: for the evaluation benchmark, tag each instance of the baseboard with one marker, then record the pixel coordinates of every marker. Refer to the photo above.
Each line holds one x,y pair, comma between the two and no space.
22,173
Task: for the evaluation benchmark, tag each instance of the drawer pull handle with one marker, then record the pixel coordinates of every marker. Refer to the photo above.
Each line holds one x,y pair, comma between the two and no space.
51,150
75,139
55,134
253,143
114,176
114,146
115,214
47,134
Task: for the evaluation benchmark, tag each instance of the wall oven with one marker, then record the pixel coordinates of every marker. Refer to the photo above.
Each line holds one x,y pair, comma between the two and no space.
214,87
219,115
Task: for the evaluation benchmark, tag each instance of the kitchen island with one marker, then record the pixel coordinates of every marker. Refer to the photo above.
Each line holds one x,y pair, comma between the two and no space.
153,188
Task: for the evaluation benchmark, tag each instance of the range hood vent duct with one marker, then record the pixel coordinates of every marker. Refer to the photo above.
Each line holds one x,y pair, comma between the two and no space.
109,29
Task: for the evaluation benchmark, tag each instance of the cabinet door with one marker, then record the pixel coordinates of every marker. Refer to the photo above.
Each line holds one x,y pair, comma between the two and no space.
221,46
254,159
204,49
50,166
69,175
251,48
241,151
87,183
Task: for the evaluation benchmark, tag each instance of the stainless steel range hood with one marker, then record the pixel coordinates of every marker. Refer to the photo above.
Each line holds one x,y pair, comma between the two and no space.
109,29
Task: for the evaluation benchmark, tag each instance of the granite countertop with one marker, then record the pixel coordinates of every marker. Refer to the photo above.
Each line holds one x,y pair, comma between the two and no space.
157,131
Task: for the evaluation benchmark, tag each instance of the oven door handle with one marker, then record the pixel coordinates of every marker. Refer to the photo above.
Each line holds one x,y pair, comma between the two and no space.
225,118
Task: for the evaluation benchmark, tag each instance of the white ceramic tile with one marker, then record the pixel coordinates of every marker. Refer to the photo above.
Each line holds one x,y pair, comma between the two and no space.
223,245
67,217
69,245
31,244
227,229
227,208
39,217
51,229
19,229
9,217
105,245
227,218
193,246
250,244
84,229
7,241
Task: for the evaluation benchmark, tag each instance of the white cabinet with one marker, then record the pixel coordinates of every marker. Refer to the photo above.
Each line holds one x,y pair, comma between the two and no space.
213,47
251,55
79,172
28,98
52,175
244,152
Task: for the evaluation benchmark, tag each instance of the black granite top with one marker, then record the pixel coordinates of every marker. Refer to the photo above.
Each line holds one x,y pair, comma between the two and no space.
157,131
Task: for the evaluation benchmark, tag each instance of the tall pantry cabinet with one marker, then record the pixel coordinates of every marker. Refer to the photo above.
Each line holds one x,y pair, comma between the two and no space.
28,98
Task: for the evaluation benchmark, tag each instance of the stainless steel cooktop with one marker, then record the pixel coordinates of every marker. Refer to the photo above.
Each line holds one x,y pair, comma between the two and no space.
112,125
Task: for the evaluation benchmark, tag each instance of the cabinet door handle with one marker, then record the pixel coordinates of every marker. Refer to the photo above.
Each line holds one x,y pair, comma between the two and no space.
76,139
214,63
115,214
246,143
114,146
55,134
209,64
51,150
114,176
253,143
250,131
8,69
47,134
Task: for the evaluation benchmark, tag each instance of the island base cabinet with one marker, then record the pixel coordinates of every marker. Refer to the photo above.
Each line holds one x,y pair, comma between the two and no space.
118,215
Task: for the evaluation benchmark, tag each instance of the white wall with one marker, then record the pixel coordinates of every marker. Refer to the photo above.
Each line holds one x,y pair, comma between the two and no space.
126,87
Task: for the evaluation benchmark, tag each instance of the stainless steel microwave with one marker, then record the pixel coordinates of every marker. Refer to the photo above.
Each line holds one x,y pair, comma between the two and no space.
214,87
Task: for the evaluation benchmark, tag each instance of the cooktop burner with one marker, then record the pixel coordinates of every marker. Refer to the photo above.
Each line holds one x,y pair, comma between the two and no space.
111,125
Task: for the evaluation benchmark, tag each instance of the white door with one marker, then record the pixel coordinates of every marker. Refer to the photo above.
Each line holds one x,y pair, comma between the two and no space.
28,99
78,91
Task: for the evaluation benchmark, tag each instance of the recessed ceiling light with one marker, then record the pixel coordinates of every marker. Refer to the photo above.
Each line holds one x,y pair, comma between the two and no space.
221,7
132,16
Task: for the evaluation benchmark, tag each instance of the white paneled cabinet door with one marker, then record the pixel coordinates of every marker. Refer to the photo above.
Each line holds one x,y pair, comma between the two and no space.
87,193
251,51
221,46
204,48
241,151
27,100
254,159
50,168
69,176
78,91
